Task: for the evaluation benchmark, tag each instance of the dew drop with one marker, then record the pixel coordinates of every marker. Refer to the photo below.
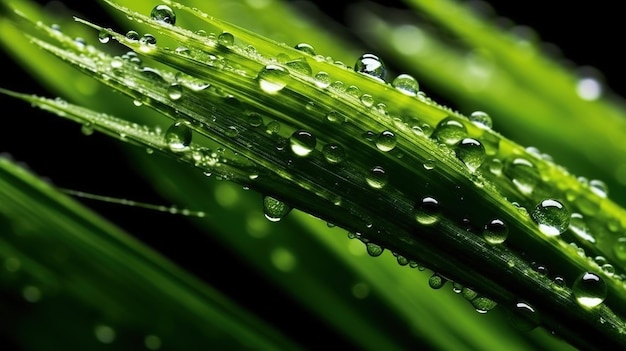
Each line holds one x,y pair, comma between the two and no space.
104,36
374,250
522,173
371,65
255,119
406,84
178,136
132,35
579,227
523,317
386,141
436,281
589,289
468,294
148,39
87,128
226,39
471,152
599,188
175,91
551,216
272,79
302,142
163,13
274,209
306,48
483,304
496,231
427,211
481,119
333,153
300,65
322,79
449,131
377,177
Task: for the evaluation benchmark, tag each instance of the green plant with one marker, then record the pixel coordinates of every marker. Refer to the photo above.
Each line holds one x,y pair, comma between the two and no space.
401,173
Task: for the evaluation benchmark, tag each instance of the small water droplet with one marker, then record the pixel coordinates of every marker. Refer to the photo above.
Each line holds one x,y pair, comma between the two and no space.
406,84
178,136
226,39
300,65
449,131
306,48
87,128
148,39
471,152
551,216
132,35
523,317
427,211
374,250
481,119
333,153
334,117
175,91
104,36
599,188
371,65
483,304
579,227
274,209
522,173
386,141
436,281
367,100
468,293
255,119
302,142
377,177
273,78
322,79
163,13
589,289
496,231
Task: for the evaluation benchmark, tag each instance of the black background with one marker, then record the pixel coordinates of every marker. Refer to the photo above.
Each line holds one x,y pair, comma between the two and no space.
589,35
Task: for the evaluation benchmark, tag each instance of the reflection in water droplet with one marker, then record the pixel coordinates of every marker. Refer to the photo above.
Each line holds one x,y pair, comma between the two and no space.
449,131
178,136
495,232
406,84
274,209
306,48
374,250
377,178
226,39
436,281
551,216
589,289
333,153
481,119
302,142
483,304
163,13
272,79
427,211
471,152
386,141
371,65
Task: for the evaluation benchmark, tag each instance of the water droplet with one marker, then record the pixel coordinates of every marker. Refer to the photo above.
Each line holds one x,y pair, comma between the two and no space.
495,232
371,65
589,289
226,39
274,209
599,188
374,250
178,136
272,127
580,228
104,334
273,78
522,173
429,164
483,304
367,100
436,281
302,142
377,177
148,39
322,79
406,84
306,48
386,141
132,35
163,13
468,294
300,65
551,216
333,153
471,152
175,91
403,261
449,131
104,36
427,211
334,117
87,128
523,317
481,119
255,119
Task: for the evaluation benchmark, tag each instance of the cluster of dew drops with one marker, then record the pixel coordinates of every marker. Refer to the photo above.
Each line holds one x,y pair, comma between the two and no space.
551,215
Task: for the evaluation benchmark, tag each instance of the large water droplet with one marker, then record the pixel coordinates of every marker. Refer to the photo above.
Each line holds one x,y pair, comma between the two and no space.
302,142
427,211
226,39
496,231
406,84
178,136
371,65
436,281
589,289
163,13
274,209
386,141
175,91
374,250
522,173
300,65
377,177
449,131
273,78
551,216
599,188
481,119
471,152
333,153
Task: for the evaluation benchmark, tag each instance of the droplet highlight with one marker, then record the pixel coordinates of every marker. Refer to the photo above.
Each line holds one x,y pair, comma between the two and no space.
377,177
386,141
427,211
522,173
589,289
302,143
495,232
551,216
